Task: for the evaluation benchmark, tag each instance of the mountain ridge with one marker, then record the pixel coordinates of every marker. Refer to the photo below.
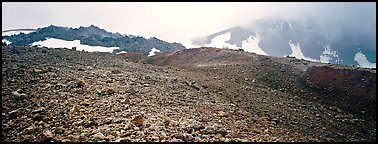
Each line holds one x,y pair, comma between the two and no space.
318,42
94,36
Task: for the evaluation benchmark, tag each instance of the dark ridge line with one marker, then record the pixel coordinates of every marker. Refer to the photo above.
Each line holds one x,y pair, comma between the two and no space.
18,30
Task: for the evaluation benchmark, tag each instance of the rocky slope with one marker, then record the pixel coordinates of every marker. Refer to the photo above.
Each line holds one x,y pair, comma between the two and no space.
197,95
261,83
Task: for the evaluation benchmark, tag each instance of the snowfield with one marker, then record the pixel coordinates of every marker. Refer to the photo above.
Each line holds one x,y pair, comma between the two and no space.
297,53
361,59
153,52
252,45
328,54
58,43
220,42
6,41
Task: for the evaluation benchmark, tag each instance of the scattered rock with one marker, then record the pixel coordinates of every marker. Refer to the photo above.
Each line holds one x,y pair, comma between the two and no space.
40,110
108,91
222,139
109,80
116,71
166,122
38,117
131,91
126,101
146,85
218,136
222,114
275,120
80,83
59,130
177,140
209,130
89,124
333,108
98,137
85,103
123,140
138,120
48,135
18,96
72,84
37,70
187,137
17,112
222,131
110,137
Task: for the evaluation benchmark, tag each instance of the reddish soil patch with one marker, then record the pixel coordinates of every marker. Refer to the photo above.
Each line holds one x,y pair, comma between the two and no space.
352,89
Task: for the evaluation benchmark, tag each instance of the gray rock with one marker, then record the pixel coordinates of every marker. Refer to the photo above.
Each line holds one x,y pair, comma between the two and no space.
187,137
177,140
123,140
17,112
37,111
71,84
209,130
197,139
60,130
98,137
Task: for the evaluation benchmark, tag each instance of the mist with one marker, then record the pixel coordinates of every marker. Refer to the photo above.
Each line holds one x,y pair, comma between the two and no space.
179,22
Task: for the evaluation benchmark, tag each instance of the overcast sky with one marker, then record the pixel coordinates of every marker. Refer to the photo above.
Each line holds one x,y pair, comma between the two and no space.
173,22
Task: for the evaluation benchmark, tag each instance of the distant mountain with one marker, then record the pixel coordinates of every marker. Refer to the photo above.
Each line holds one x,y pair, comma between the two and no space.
94,36
302,38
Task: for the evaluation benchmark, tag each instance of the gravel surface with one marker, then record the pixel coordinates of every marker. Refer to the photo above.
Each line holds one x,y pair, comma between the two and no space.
63,95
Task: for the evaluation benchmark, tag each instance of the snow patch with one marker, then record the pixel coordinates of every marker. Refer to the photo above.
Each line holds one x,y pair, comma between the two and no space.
328,55
362,61
252,45
153,52
121,52
6,41
220,42
59,43
325,59
297,53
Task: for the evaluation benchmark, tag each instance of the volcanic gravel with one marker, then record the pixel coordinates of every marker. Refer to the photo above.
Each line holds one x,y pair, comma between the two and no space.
63,95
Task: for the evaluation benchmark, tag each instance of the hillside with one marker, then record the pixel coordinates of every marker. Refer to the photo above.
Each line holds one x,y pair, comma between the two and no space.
352,89
93,36
204,94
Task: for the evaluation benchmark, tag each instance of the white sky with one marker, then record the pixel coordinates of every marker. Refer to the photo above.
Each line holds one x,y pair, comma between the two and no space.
172,22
